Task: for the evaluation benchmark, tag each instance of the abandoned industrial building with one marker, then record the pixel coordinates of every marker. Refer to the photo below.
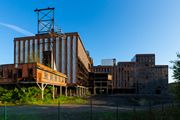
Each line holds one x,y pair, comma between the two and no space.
61,60
66,55
140,76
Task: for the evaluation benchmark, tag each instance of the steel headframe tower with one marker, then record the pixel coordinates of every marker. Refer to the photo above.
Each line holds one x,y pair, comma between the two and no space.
45,20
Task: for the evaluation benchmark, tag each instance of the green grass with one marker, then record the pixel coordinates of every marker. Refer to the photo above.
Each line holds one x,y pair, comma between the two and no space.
51,113
67,100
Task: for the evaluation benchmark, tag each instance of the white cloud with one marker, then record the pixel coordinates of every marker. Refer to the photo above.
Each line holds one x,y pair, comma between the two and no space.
18,29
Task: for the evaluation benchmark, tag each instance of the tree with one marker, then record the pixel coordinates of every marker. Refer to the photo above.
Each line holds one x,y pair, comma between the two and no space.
176,75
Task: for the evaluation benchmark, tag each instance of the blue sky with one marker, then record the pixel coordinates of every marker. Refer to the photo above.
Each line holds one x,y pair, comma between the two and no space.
109,28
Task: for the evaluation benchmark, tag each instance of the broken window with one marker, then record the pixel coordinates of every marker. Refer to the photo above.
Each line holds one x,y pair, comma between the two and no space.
9,73
47,58
1,72
19,73
146,64
30,72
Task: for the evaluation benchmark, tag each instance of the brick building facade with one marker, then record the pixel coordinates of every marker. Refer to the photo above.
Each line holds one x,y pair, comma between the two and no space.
141,75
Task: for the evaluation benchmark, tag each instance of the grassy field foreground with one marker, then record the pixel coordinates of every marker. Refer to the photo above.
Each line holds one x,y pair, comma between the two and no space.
80,113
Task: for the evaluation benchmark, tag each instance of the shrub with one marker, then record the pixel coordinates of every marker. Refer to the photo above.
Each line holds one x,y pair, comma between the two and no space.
32,95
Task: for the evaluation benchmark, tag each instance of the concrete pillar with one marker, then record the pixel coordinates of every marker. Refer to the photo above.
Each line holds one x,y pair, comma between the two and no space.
94,91
66,91
42,91
80,91
60,91
53,92
86,91
83,91
42,87
77,92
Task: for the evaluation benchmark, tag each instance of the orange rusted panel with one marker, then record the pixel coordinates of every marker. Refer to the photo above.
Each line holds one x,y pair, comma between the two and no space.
31,72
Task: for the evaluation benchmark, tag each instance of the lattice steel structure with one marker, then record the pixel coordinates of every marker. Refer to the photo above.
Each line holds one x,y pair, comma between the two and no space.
45,20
